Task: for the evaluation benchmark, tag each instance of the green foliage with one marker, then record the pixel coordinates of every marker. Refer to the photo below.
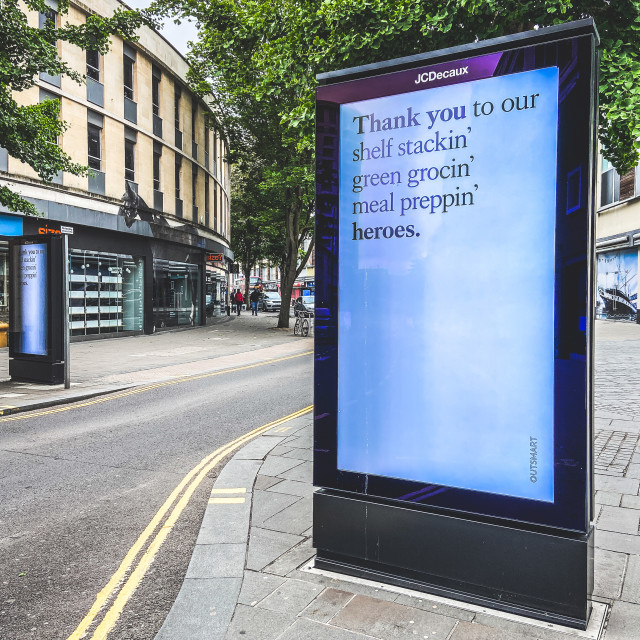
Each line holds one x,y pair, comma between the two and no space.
260,59
29,133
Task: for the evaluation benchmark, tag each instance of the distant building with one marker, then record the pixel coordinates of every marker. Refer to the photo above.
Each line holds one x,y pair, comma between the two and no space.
150,226
618,243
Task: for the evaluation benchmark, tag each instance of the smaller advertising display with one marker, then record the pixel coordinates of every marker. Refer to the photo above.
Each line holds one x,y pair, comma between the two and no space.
617,285
30,331
36,318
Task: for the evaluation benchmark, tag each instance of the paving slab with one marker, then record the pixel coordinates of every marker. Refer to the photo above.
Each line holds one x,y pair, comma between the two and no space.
609,570
251,623
624,622
225,523
294,488
202,611
292,597
256,586
304,629
631,591
267,504
619,519
327,605
217,561
475,631
383,619
608,497
295,518
265,546
293,559
277,465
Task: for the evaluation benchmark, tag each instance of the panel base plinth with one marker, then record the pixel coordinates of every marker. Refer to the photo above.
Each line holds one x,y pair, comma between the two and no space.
541,575
35,371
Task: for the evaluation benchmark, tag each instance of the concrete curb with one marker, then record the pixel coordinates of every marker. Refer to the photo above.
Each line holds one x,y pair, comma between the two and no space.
209,594
60,400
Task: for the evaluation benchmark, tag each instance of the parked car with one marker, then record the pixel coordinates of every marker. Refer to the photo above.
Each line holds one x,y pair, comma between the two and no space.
270,301
305,304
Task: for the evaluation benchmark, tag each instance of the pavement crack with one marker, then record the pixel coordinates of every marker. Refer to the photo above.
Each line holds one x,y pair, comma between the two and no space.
92,464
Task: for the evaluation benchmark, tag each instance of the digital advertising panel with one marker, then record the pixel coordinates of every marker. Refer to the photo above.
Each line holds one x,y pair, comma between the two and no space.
31,326
454,261
36,317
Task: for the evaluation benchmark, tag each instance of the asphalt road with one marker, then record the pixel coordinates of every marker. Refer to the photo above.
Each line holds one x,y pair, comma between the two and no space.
78,488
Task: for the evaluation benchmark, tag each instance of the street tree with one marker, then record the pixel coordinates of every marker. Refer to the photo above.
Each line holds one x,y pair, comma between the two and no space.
260,59
29,132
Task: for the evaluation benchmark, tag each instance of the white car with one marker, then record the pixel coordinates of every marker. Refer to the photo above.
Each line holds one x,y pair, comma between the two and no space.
270,301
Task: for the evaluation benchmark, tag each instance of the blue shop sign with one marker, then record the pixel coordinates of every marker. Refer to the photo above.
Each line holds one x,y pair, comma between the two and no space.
10,225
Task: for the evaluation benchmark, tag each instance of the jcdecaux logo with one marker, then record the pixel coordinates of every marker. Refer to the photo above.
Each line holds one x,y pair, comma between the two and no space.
430,76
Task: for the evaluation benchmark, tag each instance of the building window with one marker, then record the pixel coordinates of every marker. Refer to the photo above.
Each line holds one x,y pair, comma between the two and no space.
129,160
155,90
93,65
94,138
157,153
178,176
215,205
128,76
49,20
176,106
616,188
206,200
194,184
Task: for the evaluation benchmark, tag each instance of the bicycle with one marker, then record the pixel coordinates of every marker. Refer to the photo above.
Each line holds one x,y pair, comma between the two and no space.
301,327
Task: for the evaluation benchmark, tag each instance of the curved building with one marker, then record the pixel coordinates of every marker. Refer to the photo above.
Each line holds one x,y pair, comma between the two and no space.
149,227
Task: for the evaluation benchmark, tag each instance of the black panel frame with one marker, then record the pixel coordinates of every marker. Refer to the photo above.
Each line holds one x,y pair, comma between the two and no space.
573,48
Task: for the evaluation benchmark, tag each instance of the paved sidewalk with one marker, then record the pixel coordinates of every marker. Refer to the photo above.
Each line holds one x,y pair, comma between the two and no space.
251,573
107,365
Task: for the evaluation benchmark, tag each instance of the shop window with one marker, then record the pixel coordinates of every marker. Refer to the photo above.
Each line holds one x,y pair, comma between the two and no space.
176,294
105,293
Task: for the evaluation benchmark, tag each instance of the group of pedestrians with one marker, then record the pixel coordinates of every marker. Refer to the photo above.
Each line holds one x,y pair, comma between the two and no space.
238,299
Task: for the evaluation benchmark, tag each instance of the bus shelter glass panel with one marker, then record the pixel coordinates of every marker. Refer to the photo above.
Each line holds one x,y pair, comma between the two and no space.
105,293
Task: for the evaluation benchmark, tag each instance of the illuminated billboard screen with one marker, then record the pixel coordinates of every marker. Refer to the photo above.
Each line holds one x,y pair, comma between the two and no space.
441,222
453,252
30,316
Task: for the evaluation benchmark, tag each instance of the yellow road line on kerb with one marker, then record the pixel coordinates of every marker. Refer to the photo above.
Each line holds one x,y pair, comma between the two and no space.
149,387
130,585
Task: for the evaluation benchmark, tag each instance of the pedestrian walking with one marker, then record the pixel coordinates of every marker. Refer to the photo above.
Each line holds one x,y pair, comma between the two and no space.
239,300
254,298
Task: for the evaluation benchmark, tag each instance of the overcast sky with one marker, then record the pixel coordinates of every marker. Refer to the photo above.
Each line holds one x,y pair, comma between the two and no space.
177,34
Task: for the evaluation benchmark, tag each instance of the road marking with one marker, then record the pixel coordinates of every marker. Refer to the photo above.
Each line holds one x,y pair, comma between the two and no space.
131,392
281,429
219,491
226,500
197,474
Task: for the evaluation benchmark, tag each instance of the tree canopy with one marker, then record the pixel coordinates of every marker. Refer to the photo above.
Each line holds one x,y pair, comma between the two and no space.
260,58
29,132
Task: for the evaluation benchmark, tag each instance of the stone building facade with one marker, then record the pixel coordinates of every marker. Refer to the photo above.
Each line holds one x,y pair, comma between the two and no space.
149,227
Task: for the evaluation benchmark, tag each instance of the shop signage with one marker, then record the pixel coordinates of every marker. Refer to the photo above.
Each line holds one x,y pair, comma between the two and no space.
215,257
50,229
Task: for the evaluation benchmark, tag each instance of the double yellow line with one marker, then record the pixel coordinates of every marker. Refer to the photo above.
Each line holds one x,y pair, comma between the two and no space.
149,387
161,527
